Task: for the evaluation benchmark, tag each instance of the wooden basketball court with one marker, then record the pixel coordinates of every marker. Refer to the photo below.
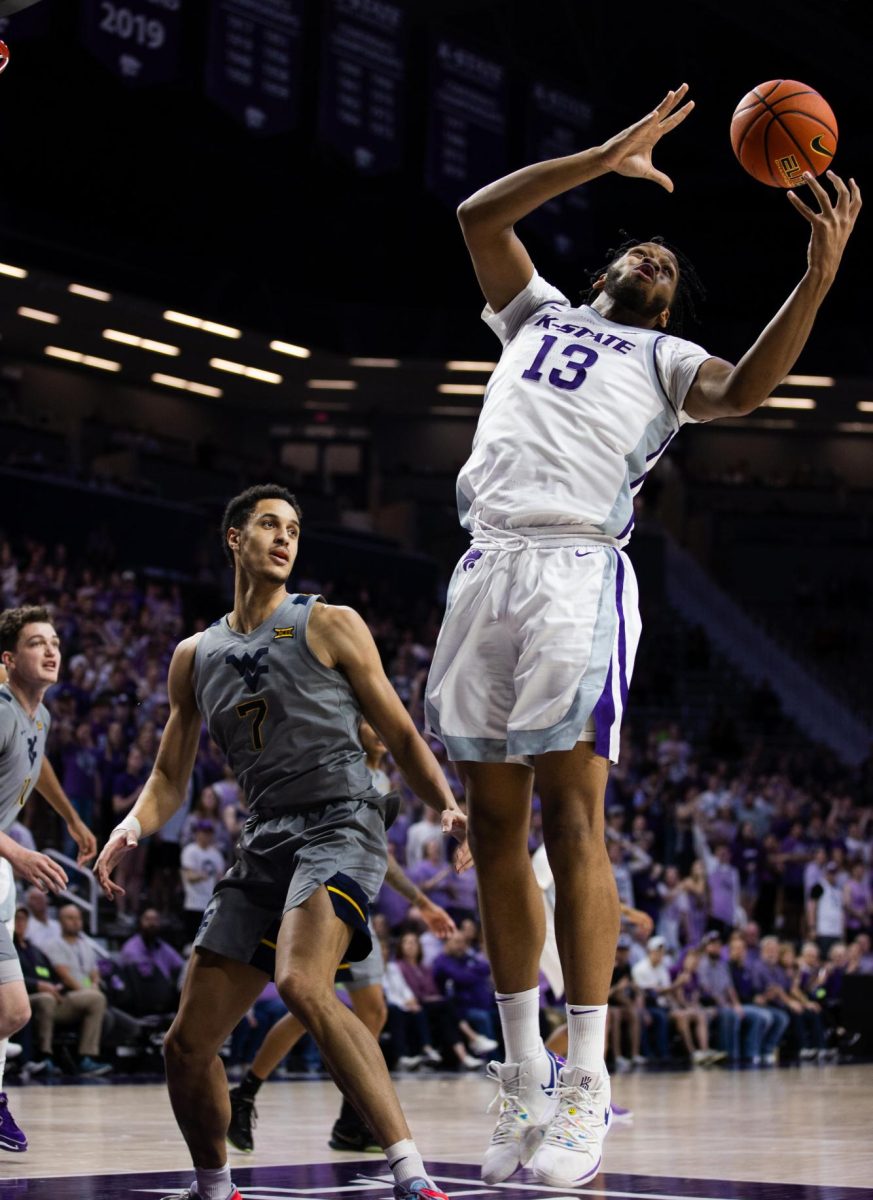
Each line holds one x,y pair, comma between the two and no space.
793,1134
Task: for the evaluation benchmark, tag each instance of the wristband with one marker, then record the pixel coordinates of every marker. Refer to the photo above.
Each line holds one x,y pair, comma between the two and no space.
130,824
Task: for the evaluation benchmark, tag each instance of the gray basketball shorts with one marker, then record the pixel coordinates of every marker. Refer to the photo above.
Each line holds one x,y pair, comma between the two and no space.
283,858
10,967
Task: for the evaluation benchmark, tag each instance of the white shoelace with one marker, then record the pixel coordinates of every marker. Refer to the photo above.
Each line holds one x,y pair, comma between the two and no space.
512,1111
568,1124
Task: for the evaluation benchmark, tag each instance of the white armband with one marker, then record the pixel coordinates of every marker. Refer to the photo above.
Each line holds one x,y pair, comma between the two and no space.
130,824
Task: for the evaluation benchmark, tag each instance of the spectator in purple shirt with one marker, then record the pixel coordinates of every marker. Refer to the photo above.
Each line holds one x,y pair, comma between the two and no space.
433,874
777,982
734,1018
465,977
746,981
148,952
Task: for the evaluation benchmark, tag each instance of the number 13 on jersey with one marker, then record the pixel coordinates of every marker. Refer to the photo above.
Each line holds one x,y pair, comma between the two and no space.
571,374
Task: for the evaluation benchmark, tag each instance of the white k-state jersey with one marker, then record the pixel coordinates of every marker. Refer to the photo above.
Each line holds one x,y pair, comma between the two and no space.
577,412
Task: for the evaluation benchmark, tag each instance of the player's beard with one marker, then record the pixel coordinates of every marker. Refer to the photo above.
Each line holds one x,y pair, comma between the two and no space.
629,291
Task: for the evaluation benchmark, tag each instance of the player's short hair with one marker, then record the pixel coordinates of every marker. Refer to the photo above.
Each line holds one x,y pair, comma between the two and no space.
13,620
241,507
689,288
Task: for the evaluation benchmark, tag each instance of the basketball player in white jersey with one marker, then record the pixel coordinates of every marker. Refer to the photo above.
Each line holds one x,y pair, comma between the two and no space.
31,658
534,659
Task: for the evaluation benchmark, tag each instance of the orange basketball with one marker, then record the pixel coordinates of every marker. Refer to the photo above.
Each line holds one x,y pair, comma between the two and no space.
781,129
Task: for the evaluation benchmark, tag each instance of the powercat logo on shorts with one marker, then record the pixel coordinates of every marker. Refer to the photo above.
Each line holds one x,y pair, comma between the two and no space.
472,558
250,667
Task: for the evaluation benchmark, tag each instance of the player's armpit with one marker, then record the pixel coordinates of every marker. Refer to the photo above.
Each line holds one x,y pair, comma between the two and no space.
710,394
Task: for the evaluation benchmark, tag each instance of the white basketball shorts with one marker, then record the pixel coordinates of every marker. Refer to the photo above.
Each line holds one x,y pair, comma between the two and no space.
537,643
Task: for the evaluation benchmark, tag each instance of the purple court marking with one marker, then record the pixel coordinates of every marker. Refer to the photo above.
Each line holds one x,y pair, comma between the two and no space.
370,1177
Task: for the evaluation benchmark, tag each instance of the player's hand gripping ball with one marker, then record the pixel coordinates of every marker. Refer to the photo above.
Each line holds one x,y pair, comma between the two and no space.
4,57
781,129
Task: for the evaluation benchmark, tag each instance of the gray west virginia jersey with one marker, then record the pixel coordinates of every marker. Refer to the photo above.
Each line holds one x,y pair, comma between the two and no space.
287,724
22,749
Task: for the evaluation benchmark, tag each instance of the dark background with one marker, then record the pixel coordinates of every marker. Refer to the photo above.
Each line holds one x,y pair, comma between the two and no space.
157,192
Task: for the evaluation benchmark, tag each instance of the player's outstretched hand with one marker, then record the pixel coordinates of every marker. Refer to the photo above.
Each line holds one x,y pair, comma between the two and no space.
630,152
120,841
85,840
41,870
832,225
437,919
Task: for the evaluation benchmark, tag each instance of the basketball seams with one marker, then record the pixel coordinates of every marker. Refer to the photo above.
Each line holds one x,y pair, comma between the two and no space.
799,112
769,103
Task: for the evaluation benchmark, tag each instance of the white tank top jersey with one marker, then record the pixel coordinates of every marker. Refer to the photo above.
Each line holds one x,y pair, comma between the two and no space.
576,414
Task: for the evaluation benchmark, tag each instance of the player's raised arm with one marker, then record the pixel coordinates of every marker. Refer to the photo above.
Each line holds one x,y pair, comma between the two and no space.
164,790
503,266
724,390
339,638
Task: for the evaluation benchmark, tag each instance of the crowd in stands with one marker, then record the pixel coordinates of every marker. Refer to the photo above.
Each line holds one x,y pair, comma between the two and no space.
756,873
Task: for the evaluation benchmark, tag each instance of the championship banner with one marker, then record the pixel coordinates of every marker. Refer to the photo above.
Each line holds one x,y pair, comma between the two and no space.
363,77
140,41
466,136
254,62
558,123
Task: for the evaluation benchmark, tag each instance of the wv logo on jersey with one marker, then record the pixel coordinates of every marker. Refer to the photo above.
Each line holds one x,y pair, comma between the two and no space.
31,749
250,667
283,631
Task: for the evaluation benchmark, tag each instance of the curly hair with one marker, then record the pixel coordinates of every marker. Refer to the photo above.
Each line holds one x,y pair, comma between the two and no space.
13,620
689,289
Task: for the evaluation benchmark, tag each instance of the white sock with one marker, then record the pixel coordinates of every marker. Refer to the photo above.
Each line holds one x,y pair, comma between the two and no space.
4,1042
586,1026
520,1022
213,1184
405,1161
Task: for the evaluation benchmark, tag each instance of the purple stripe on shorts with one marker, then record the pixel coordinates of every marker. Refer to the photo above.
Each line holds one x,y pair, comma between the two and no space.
622,636
604,715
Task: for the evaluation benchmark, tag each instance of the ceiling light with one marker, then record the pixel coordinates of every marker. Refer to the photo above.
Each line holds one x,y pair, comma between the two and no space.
15,272
235,368
810,380
80,289
855,427
374,362
187,385
131,339
332,385
864,406
449,410
462,389
328,405
290,348
36,314
788,402
179,318
469,364
85,360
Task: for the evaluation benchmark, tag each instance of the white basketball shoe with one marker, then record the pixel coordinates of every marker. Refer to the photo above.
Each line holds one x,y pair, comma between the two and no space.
527,1105
571,1151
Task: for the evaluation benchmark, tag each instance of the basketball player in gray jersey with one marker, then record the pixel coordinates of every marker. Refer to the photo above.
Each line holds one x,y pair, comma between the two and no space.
31,657
281,682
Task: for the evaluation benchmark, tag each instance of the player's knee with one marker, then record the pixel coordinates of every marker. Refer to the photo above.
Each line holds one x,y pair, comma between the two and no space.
183,1044
14,1016
300,992
569,833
